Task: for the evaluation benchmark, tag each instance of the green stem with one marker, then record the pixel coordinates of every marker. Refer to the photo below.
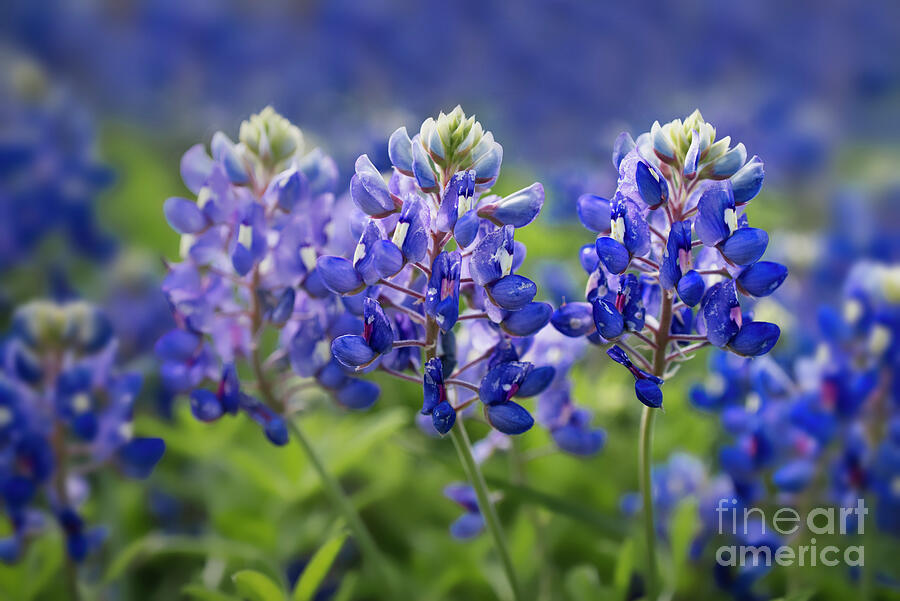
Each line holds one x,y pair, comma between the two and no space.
645,459
473,472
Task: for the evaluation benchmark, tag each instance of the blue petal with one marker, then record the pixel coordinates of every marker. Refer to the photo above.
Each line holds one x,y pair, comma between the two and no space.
466,228
502,382
486,164
710,222
718,312
690,288
649,393
448,213
594,212
745,246
352,350
276,431
242,259
205,405
139,456
468,525
443,416
573,319
537,380
196,166
421,167
339,275
519,208
432,385
184,215
613,255
223,150
528,320
509,418
229,392
284,309
729,163
762,278
653,191
369,191
400,151
755,338
485,261
693,153
747,182
512,292
177,345
623,145
388,259
579,441
357,394
607,319
795,476
587,255
378,332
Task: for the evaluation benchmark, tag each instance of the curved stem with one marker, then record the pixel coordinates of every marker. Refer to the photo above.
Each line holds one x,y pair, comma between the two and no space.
488,511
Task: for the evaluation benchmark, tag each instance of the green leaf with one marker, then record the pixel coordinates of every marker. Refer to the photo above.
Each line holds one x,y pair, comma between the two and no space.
318,567
624,566
199,593
582,583
256,586
603,524
801,595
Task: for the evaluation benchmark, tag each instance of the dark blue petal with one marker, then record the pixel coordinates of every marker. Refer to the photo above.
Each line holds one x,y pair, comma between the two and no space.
339,275
578,440
512,292
242,259
607,319
587,255
448,213
653,189
509,418
177,345
631,299
357,394
649,393
502,382
492,257
528,320
276,430
468,525
229,392
443,416
710,223
618,354
184,215
422,169
139,456
377,328
690,288
284,308
631,225
677,254
537,381
290,188
720,309
388,259
761,278
466,228
433,385
573,319
518,209
613,255
745,246
205,405
755,338
795,476
594,212
352,351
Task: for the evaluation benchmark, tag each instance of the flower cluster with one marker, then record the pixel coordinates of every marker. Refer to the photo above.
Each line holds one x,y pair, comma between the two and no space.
49,172
674,250
263,215
435,238
837,415
65,412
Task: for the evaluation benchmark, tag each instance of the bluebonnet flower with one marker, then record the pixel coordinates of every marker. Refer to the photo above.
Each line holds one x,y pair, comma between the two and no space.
264,215
65,412
438,195
648,272
471,523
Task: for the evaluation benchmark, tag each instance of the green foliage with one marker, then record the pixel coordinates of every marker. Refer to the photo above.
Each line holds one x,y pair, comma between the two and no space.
317,568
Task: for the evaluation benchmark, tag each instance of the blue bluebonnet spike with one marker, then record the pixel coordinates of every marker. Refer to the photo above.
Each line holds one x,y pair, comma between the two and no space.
518,209
184,216
651,185
370,192
400,151
612,254
509,417
573,319
761,278
607,319
747,182
527,321
594,212
442,295
339,275
690,288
